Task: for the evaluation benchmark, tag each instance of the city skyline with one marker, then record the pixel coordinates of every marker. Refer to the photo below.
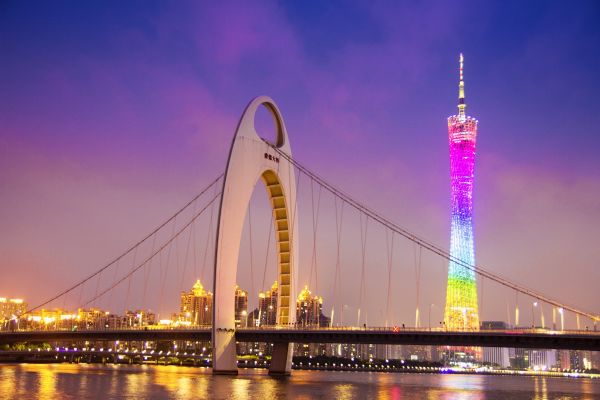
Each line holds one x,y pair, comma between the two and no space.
83,177
195,309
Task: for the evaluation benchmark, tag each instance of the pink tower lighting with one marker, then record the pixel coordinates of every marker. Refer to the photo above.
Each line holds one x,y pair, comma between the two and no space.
461,296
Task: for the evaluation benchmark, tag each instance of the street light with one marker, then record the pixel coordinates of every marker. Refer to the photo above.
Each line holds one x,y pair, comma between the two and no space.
533,313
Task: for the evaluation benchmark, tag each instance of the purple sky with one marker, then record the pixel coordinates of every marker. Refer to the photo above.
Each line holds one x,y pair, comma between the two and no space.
113,115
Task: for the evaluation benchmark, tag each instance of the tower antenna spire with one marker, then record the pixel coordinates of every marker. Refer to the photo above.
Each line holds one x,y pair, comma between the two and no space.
461,89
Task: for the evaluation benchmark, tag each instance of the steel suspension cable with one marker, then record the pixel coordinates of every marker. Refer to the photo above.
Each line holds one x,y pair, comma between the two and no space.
418,283
251,249
337,284
390,260
210,235
129,250
427,244
147,272
363,240
185,258
315,226
271,223
163,279
161,248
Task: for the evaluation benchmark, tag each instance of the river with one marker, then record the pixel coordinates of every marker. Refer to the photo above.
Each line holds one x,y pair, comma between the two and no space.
93,381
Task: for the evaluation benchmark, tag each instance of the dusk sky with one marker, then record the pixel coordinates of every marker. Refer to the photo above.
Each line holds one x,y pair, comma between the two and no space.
114,114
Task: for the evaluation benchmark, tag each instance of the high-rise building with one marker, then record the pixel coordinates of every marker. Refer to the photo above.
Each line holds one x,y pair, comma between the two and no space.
241,307
309,313
308,308
267,306
496,355
536,359
134,318
196,305
11,308
461,295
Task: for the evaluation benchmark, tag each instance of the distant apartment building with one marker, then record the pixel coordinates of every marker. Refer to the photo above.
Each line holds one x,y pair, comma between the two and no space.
495,355
309,313
267,306
11,308
537,359
241,307
196,306
308,308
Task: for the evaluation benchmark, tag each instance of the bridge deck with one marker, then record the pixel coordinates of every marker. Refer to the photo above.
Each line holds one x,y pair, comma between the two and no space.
541,339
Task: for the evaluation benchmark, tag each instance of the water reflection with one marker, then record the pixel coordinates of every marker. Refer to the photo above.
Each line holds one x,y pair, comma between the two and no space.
241,388
137,384
343,391
540,388
170,382
47,379
386,392
8,381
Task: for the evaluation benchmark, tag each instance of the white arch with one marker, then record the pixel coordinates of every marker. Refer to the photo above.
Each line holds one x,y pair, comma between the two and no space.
250,158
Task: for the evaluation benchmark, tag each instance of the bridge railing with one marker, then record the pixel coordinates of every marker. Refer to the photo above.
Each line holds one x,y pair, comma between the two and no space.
305,328
115,329
398,329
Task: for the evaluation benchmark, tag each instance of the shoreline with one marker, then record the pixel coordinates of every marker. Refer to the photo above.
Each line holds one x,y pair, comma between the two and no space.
377,369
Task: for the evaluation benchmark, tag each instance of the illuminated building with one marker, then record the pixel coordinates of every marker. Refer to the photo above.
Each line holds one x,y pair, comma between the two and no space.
196,305
10,309
135,318
414,352
308,308
267,306
461,295
91,318
496,355
50,319
241,307
309,313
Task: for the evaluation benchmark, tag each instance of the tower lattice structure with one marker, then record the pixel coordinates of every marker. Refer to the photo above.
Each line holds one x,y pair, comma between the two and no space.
461,310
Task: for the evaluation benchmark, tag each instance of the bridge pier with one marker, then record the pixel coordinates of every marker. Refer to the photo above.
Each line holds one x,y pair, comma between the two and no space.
281,359
224,352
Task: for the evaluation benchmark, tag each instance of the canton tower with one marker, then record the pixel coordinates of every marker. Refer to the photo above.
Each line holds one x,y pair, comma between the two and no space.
461,294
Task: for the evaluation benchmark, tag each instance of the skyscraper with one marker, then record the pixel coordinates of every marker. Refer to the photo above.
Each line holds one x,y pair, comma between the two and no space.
308,308
196,305
241,307
267,306
461,294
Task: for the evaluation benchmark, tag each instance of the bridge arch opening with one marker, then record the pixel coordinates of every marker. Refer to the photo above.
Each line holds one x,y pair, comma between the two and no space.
268,125
253,159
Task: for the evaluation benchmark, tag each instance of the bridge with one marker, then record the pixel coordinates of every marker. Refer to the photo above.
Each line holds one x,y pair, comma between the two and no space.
253,159
517,338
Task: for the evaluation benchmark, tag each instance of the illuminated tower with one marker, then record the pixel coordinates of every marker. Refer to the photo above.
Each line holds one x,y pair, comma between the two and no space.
461,294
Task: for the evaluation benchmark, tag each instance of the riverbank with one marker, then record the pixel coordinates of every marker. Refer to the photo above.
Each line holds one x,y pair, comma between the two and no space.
381,367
